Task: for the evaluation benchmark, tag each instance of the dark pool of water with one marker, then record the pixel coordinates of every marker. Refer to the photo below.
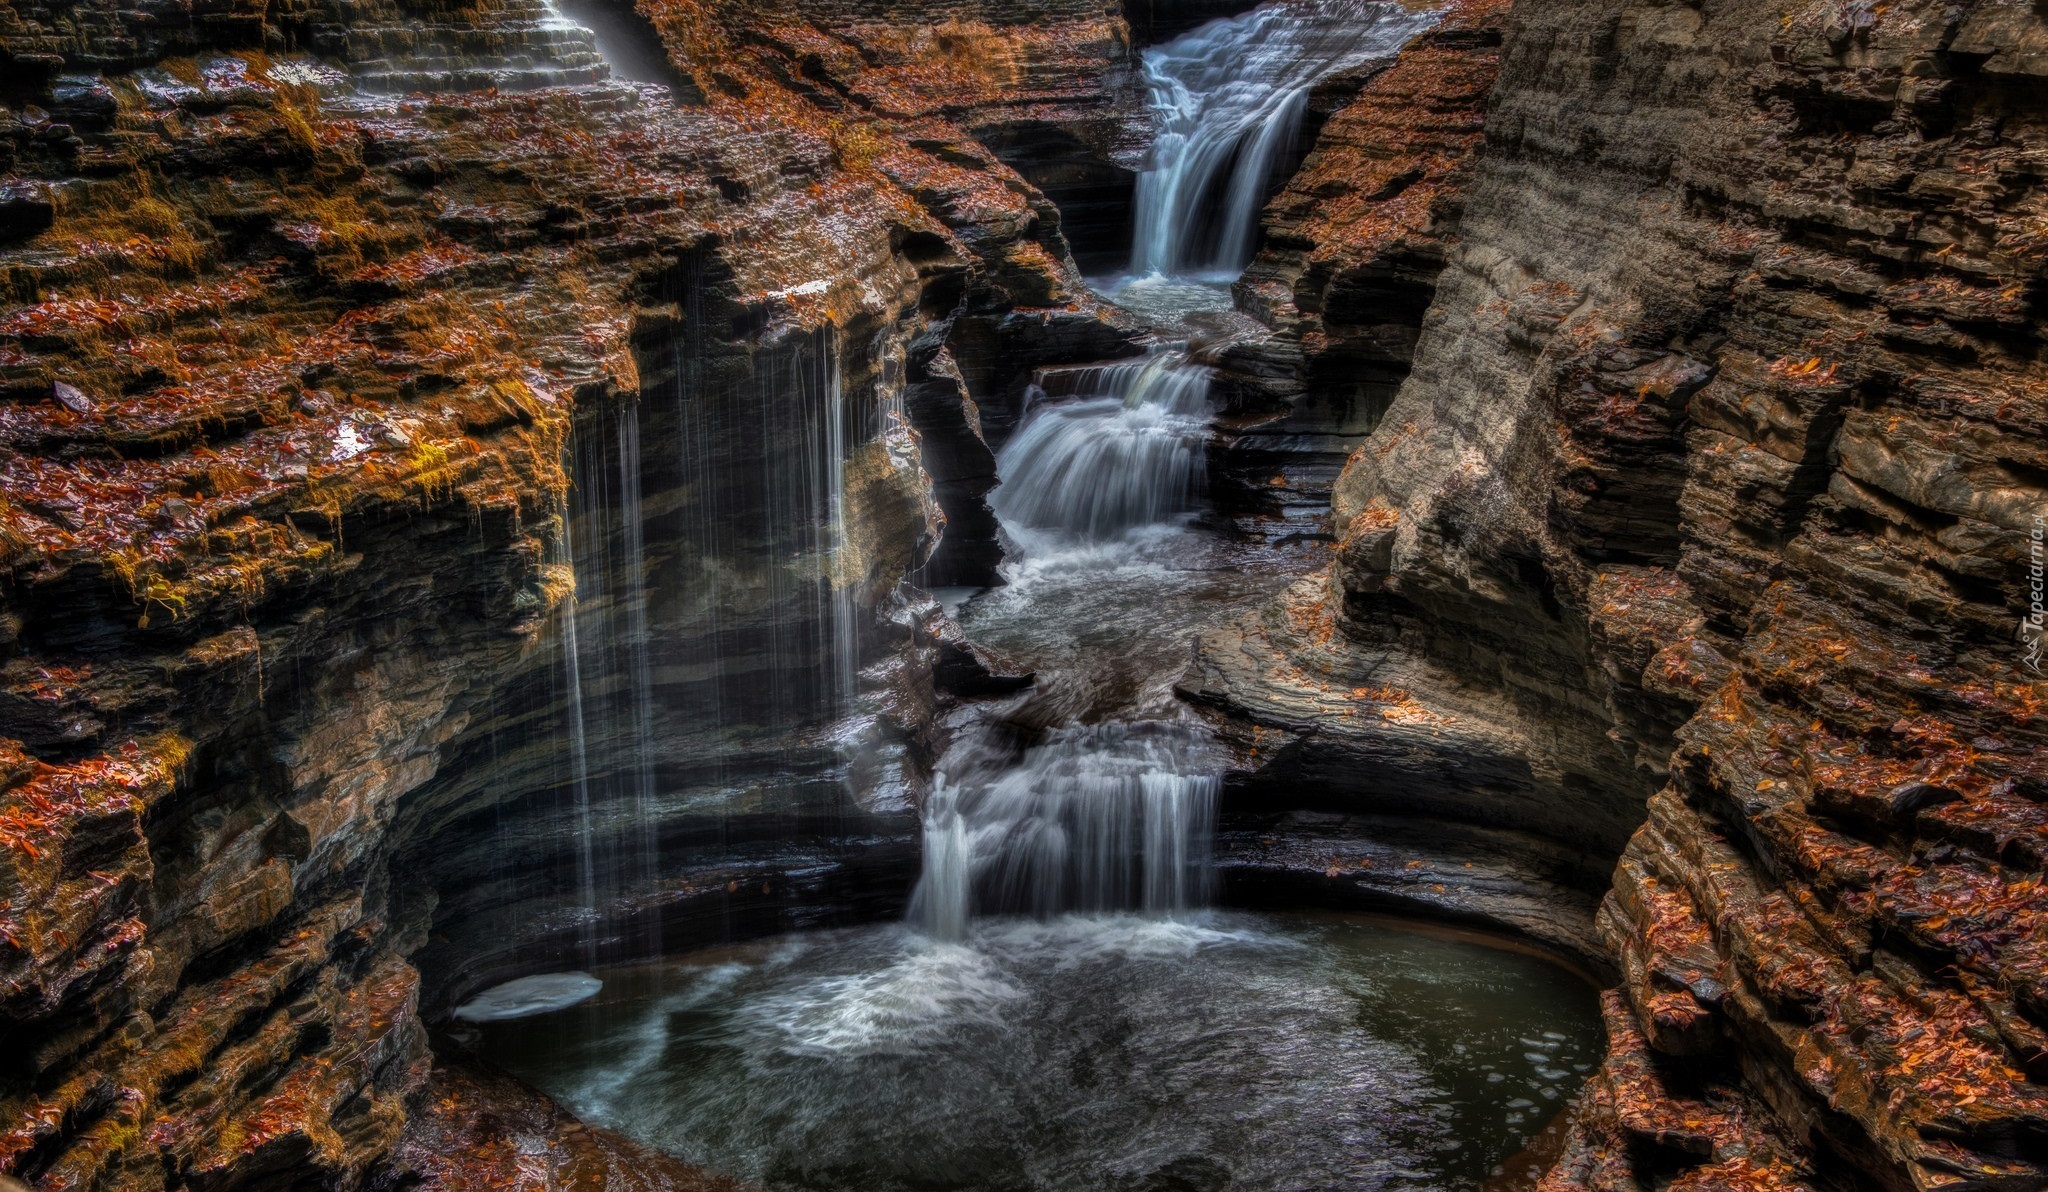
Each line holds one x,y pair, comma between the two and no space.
1226,1051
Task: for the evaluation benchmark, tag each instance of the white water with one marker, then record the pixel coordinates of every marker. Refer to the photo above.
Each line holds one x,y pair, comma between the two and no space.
1104,817
1115,813
524,997
1223,1052
1094,815
1124,451
1227,99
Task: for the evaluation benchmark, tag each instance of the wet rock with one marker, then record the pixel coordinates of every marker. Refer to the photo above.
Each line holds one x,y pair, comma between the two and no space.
970,671
24,211
477,1127
72,398
1352,248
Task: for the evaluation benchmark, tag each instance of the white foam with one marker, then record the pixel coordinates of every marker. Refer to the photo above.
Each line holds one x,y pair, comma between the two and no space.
928,993
528,996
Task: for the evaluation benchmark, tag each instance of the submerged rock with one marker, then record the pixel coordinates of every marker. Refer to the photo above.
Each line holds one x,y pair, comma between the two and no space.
523,997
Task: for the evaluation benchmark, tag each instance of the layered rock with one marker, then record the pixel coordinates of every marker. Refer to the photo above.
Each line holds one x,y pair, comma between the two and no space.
477,1128
1714,484
317,413
1352,246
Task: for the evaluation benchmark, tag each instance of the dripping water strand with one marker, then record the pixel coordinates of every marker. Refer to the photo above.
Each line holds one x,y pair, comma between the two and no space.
639,638
845,648
579,762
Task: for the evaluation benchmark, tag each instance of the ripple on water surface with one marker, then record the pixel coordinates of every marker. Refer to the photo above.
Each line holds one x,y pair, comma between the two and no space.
1226,1051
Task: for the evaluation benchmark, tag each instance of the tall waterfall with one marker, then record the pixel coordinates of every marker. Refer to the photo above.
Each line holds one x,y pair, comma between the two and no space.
750,556
1094,817
1126,450
1227,100
606,666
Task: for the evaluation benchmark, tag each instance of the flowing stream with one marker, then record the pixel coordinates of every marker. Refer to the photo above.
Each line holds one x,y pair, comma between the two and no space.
1063,1009
1228,100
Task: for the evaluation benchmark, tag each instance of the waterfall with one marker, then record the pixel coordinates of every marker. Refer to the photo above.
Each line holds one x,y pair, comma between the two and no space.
607,670
751,541
640,668
579,760
1125,450
1105,817
807,521
843,657
1116,814
1227,100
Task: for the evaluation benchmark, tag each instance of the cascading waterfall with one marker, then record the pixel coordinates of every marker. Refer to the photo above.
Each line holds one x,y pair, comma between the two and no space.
1125,450
1097,817
1227,100
1116,815
1103,817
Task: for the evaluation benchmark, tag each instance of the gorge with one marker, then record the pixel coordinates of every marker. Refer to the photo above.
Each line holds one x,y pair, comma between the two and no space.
936,594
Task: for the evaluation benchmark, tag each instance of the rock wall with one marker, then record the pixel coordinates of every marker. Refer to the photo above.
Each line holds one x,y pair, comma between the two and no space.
314,408
1694,527
1703,532
1352,246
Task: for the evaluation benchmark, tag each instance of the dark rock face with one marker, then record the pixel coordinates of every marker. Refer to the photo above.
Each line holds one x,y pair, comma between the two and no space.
1154,21
1087,164
1709,498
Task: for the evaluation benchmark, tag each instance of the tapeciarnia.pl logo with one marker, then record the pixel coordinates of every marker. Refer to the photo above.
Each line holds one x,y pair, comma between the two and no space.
2035,622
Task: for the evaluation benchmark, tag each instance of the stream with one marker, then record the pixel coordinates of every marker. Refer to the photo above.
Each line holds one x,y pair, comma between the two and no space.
1063,1007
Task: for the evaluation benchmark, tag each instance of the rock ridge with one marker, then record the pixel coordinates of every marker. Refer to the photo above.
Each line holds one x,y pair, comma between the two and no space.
1717,468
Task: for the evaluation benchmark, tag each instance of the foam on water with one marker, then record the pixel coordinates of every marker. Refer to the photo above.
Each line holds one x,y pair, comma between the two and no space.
527,996
924,996
1227,1052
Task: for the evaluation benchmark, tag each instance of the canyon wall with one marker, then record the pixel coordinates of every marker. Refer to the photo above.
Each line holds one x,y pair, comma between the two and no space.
338,424
1702,531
